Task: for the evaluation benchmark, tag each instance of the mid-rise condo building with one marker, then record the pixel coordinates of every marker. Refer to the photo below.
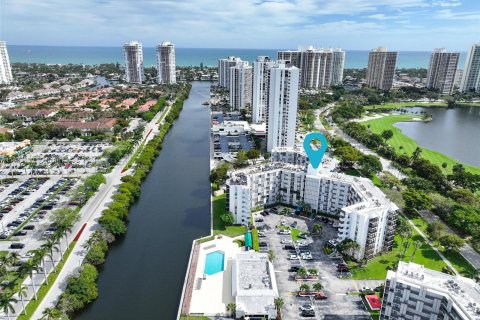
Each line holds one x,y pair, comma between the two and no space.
241,86
5,70
381,68
471,72
281,114
224,66
319,68
417,293
442,70
261,82
133,54
166,63
366,215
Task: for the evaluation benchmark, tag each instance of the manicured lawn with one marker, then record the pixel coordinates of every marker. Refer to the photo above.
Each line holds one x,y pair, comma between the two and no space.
404,144
325,123
377,267
376,181
218,225
3,254
295,233
256,247
44,288
421,224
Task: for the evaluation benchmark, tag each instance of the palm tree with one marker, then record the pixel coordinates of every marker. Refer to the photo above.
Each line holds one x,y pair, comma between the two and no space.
278,305
302,272
304,287
6,303
406,245
232,308
28,268
50,314
416,245
317,229
313,271
317,286
271,255
416,154
39,255
49,246
13,258
474,274
22,293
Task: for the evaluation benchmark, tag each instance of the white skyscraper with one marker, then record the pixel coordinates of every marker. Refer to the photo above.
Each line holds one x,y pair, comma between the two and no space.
260,88
133,54
166,63
442,69
471,73
5,69
241,86
224,66
381,68
319,68
281,113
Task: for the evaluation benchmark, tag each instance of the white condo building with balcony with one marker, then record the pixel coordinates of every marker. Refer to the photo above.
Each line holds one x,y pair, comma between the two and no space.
381,68
442,70
133,54
224,66
261,82
166,63
366,215
241,86
5,70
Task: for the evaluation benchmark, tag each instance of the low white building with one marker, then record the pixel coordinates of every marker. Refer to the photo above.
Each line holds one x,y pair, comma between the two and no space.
366,215
231,128
254,287
415,292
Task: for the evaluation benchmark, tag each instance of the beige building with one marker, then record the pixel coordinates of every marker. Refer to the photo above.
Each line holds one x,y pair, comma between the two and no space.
133,54
166,63
442,70
381,68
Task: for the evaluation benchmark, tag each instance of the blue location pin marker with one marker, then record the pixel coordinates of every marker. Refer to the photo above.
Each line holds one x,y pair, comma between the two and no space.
315,156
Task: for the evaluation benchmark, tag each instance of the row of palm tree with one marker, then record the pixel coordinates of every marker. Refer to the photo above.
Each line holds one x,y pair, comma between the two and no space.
34,265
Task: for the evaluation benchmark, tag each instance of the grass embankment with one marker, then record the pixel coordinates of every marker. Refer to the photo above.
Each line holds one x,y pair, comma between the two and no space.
399,105
219,226
44,288
325,122
405,144
456,259
377,267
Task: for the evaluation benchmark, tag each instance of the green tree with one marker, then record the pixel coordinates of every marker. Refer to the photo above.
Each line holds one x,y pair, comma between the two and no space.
28,268
451,242
22,293
370,165
348,154
436,230
302,272
253,154
232,308
6,303
416,200
278,305
387,134
317,287
317,229
227,218
51,314
304,287
241,159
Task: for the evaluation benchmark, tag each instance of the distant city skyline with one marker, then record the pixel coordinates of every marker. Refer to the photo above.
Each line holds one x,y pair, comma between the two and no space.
405,25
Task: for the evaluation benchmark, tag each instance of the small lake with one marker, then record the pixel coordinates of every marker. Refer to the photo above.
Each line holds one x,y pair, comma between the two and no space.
453,132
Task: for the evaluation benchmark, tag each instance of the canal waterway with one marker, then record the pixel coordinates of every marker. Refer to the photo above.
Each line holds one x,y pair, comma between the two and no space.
143,275
453,132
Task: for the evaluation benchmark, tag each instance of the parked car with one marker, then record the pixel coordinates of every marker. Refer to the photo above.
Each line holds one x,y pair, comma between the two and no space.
29,227
308,313
293,257
294,269
294,224
285,231
17,245
320,296
262,244
303,235
306,307
20,233
289,247
259,220
286,241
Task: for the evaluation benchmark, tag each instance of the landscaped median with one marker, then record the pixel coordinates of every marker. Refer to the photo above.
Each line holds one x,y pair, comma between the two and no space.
219,227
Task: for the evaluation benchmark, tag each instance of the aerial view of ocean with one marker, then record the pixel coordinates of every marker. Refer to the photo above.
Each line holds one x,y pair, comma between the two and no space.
188,56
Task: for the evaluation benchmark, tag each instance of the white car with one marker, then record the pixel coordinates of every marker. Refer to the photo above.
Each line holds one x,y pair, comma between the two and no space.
306,307
293,257
307,257
285,231
283,223
286,241
28,255
302,243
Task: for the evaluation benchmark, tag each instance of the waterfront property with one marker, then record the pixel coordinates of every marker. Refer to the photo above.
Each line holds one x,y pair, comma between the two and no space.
415,292
366,215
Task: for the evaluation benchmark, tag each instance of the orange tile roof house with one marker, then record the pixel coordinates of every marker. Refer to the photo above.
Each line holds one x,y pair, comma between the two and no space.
104,125
145,107
29,114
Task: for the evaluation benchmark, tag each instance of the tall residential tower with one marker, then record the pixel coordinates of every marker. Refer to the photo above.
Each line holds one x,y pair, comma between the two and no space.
281,113
166,63
471,73
260,88
319,68
224,66
381,68
133,54
5,69
241,86
442,69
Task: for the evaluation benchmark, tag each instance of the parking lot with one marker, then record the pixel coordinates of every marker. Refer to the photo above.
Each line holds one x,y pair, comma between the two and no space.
58,158
26,207
309,255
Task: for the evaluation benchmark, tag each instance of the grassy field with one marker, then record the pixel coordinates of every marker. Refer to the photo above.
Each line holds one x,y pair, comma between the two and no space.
377,267
404,144
218,225
398,105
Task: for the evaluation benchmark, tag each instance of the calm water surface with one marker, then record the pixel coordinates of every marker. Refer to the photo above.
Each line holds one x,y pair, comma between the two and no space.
453,132
144,273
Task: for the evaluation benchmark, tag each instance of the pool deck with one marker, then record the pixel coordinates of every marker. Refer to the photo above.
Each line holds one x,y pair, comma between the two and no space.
210,295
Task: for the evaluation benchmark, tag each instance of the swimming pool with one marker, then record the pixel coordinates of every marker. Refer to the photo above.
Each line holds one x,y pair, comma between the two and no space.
214,262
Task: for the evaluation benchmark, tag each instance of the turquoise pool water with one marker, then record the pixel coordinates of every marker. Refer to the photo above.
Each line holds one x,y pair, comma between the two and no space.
214,262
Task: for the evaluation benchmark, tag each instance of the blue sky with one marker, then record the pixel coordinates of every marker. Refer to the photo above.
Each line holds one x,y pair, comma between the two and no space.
350,24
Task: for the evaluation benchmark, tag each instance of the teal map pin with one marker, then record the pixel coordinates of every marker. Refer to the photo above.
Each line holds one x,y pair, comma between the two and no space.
315,156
